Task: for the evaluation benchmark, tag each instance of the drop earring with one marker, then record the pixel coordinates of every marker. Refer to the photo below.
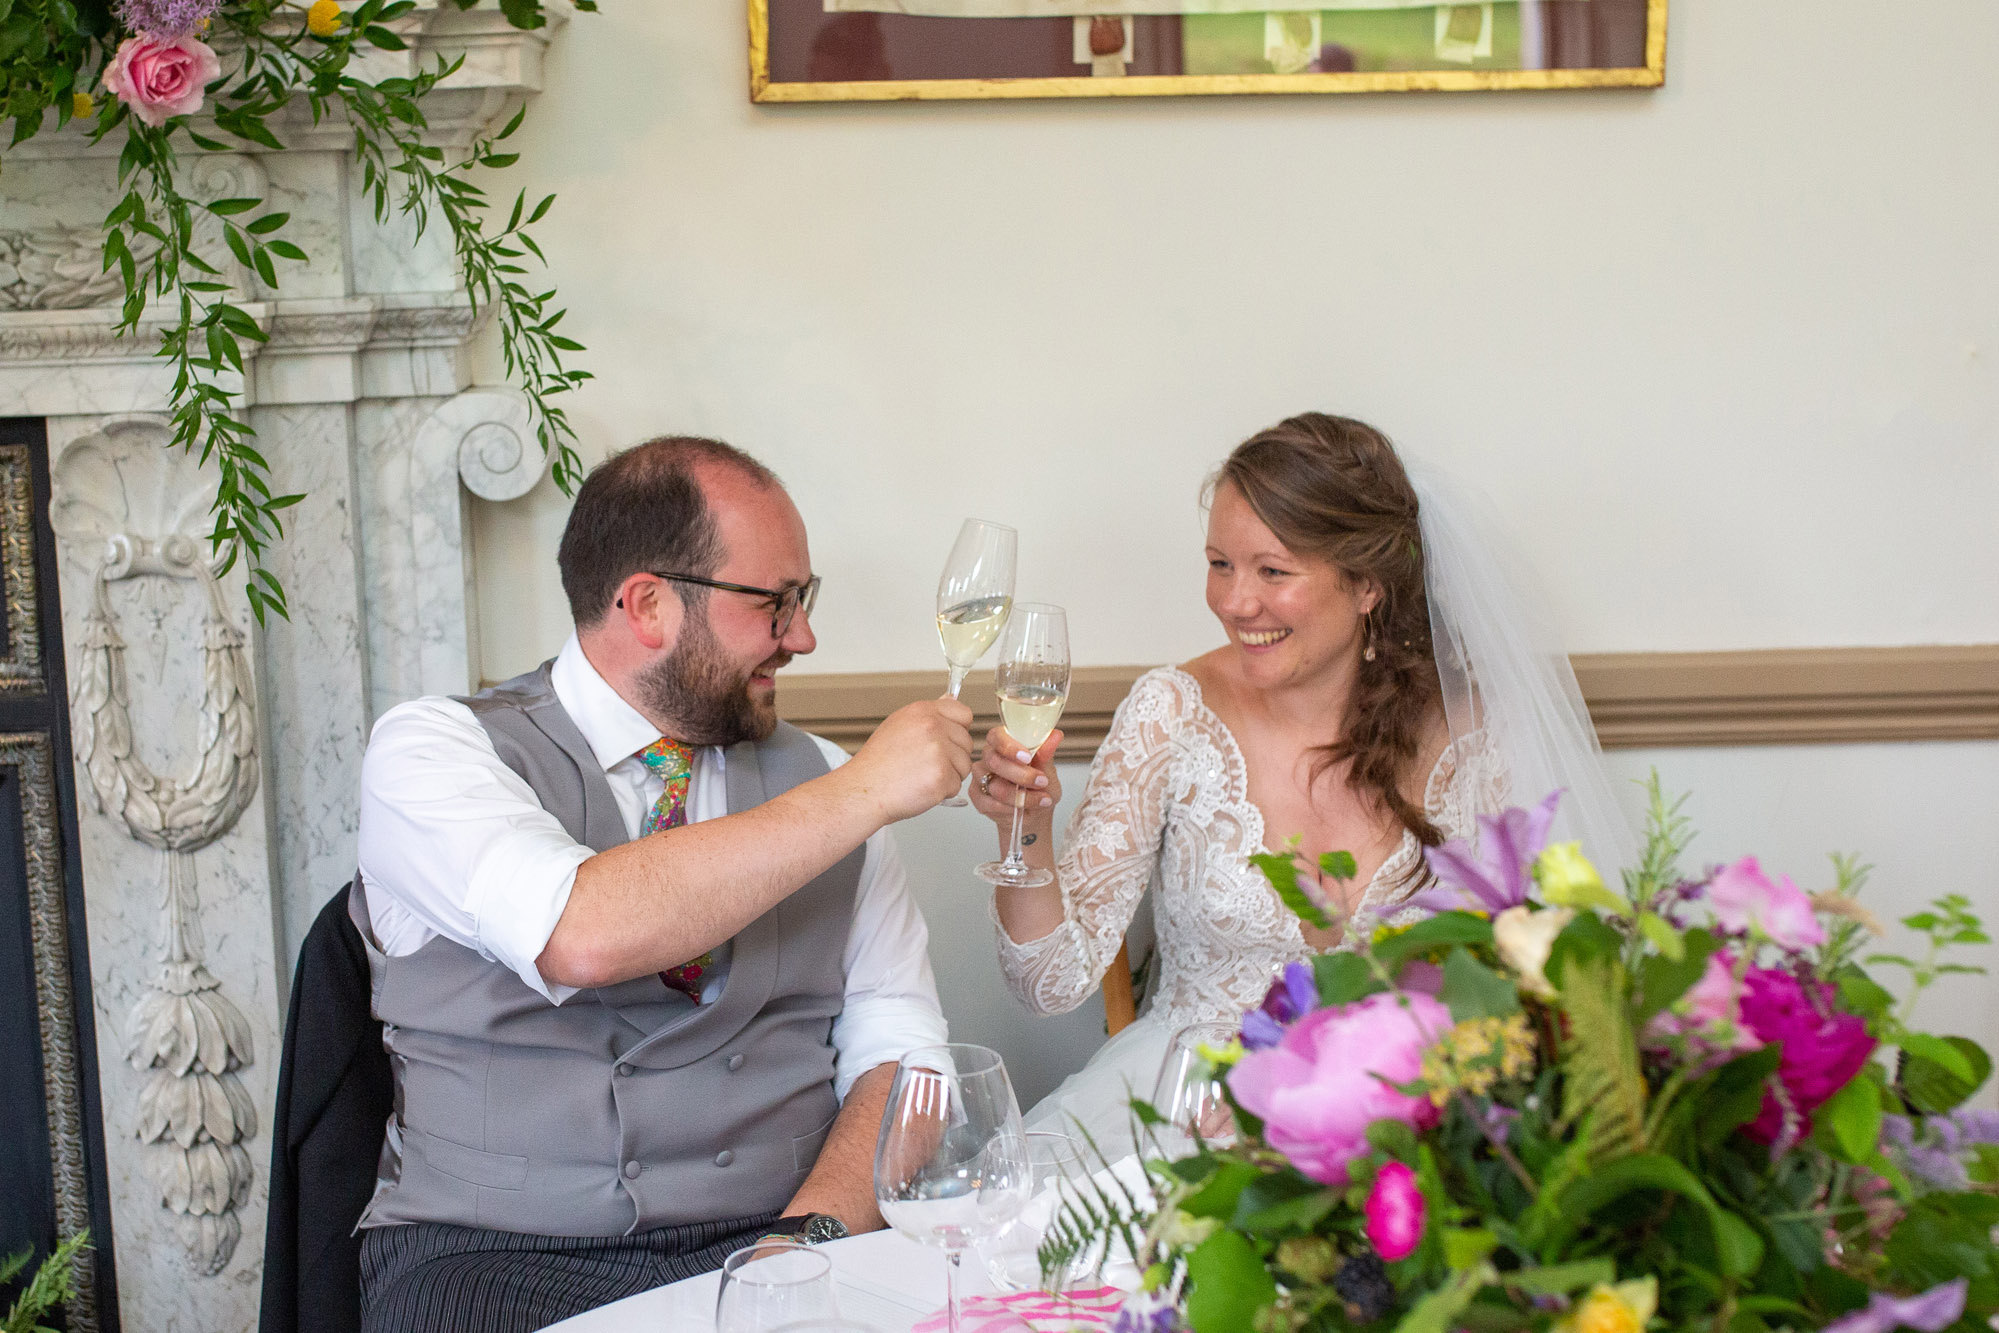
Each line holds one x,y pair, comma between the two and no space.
1367,628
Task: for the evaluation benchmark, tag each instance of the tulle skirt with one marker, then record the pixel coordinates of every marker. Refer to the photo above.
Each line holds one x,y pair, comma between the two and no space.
1096,1099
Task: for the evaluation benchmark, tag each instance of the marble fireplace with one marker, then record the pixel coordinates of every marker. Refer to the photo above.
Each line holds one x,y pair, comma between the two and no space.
217,761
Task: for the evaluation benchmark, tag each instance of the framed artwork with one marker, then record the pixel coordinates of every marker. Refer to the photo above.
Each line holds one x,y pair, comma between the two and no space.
911,50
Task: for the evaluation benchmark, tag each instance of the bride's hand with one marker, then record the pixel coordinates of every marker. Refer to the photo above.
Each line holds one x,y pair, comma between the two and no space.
999,773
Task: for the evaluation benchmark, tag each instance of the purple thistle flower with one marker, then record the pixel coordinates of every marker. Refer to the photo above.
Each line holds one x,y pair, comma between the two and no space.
166,19
1495,876
1934,1310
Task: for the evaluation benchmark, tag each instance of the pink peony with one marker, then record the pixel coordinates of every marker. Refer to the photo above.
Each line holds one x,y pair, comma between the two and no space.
1741,894
1395,1213
1330,1077
159,79
1823,1049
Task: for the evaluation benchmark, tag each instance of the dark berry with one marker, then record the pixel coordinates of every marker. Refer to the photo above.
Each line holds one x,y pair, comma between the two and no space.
1363,1284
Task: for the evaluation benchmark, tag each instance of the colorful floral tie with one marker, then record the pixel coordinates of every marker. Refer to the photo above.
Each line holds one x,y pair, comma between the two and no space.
674,763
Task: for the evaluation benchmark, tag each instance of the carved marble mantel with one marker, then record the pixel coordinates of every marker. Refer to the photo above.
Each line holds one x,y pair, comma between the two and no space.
363,400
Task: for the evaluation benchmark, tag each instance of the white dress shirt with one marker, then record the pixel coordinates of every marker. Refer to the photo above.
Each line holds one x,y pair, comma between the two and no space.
454,843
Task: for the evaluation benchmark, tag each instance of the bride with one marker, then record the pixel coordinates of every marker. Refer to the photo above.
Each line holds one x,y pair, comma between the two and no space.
1381,687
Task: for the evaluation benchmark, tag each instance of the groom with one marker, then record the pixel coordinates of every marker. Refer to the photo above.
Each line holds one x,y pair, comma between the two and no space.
644,955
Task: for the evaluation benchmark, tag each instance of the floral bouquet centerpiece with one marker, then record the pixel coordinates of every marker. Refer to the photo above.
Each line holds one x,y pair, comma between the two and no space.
1557,1106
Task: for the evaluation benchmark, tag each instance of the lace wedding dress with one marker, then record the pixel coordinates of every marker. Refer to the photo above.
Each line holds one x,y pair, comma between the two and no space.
1168,805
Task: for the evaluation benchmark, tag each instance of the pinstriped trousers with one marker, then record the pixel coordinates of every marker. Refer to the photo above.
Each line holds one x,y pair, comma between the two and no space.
435,1278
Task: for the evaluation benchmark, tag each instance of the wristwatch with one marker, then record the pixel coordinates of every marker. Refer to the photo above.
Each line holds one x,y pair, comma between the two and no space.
812,1228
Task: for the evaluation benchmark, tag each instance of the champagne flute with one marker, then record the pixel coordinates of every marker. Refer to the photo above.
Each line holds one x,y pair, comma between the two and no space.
773,1284
951,1165
1033,684
974,597
1188,1094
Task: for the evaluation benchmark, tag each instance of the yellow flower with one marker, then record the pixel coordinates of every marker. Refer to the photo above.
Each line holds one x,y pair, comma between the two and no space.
323,19
82,106
1624,1308
1567,879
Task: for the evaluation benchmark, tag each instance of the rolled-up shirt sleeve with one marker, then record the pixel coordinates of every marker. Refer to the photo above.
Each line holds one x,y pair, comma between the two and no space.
891,1005
454,843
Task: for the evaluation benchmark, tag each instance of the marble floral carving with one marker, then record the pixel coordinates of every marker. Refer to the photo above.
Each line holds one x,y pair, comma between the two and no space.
195,1114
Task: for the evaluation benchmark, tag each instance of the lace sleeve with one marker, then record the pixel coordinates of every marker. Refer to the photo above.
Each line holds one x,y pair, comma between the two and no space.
1108,854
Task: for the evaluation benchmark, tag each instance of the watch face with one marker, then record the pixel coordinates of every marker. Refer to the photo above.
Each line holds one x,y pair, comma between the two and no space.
822,1227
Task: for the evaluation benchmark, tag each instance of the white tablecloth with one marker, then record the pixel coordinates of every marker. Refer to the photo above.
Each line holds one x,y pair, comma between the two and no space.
881,1278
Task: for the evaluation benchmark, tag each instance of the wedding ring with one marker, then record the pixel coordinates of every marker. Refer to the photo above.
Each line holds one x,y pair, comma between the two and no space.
986,783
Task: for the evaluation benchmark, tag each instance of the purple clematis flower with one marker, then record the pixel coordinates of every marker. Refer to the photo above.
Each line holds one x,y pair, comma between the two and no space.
1934,1310
1496,876
1294,994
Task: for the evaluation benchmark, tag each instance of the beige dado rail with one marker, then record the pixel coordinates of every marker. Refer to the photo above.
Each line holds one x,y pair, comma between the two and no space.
1790,696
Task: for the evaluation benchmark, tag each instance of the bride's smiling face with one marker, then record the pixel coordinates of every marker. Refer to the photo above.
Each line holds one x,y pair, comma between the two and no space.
1289,617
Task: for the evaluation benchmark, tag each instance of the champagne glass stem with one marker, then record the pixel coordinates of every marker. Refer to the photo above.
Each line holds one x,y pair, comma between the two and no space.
958,674
952,1255
1013,847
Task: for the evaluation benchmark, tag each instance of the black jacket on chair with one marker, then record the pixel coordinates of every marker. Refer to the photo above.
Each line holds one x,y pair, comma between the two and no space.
335,1093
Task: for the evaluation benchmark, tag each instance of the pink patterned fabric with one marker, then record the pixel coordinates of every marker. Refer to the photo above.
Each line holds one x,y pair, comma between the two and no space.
674,763
1031,1312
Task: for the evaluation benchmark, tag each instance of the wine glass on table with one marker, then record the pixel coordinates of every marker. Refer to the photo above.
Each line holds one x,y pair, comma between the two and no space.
1188,1093
951,1165
773,1284
974,597
1033,685
1013,1258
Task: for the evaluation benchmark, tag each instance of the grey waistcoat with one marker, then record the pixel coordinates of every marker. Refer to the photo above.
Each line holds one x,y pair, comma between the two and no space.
625,1108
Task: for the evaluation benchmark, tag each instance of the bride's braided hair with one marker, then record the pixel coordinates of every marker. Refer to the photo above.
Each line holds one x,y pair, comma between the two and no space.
1332,487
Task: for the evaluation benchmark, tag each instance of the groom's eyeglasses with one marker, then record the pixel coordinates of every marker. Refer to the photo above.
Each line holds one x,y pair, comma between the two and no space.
784,602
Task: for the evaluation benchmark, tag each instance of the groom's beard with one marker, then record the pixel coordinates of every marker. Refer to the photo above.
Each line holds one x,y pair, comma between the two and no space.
708,697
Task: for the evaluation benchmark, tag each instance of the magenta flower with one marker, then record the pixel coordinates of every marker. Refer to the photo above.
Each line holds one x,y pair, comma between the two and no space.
1496,875
1333,1074
1823,1049
1395,1210
1933,1311
1742,895
1294,994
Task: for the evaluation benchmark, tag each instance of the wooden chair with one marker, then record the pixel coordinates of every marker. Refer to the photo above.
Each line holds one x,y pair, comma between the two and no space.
1119,1005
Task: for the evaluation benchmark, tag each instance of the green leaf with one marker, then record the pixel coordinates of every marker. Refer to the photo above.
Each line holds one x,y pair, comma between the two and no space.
1282,872
376,35
1333,865
1473,990
1662,936
1586,937
1851,1118
1438,932
286,250
237,245
1860,994
1561,1279
1932,1086
1227,1284
1465,1246
1939,1051
1736,1094
1280,1201
1438,1311
1218,1198
1343,977
231,207
270,222
1662,980
523,14
500,161
1737,1243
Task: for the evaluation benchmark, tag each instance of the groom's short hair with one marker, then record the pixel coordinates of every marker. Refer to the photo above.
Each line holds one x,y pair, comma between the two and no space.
642,510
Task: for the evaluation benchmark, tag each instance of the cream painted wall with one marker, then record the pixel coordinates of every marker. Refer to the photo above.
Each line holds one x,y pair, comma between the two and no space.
1725,352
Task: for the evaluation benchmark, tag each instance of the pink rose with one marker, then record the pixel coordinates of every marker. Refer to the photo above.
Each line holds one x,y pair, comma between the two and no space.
1331,1076
1395,1211
160,79
1741,894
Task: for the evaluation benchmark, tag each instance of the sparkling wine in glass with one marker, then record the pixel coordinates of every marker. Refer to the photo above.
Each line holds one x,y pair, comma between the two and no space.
1033,685
951,1166
974,597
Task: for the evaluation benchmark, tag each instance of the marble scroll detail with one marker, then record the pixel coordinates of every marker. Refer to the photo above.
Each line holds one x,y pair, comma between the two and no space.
485,439
190,1039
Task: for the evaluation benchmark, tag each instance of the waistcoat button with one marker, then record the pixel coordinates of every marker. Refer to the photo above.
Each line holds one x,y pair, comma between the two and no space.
624,1071
724,1157
632,1170
735,1062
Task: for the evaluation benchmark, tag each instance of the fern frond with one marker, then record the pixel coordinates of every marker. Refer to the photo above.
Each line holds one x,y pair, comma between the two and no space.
1605,1092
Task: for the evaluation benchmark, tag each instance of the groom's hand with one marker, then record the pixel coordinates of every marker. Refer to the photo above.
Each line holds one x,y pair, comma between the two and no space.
919,755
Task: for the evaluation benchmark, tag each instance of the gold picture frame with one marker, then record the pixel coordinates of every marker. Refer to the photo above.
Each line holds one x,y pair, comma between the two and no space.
764,88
